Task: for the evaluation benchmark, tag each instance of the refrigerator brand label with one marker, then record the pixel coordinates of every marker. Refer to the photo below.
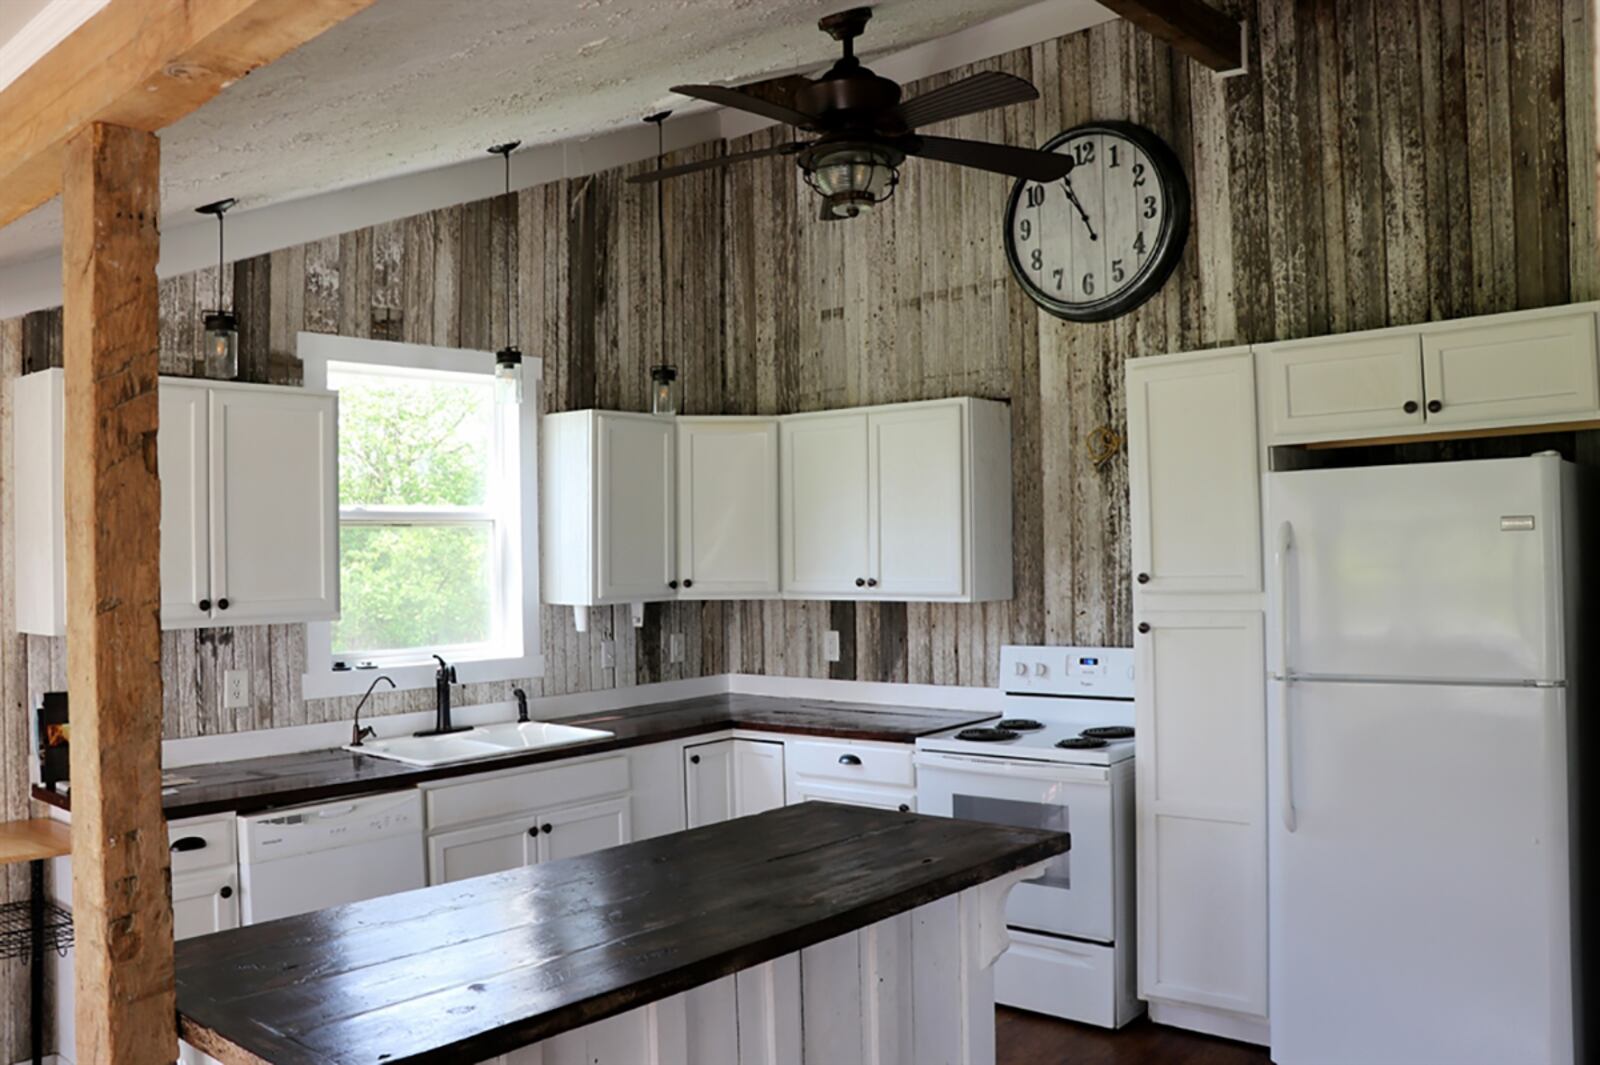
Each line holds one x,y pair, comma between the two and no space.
1516,523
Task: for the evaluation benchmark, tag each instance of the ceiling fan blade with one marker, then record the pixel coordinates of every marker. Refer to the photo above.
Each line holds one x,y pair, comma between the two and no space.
968,96
720,160
744,101
1028,163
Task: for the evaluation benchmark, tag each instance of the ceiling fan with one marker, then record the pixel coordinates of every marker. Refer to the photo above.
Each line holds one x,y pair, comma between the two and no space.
864,131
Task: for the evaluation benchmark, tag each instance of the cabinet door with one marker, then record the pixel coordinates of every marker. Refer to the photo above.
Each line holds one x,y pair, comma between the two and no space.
566,832
1530,370
1339,389
635,496
757,776
1192,474
825,505
274,506
807,788
727,507
205,901
916,474
183,457
1202,852
708,782
484,849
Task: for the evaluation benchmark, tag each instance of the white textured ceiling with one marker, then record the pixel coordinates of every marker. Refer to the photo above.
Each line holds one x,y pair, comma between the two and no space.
412,85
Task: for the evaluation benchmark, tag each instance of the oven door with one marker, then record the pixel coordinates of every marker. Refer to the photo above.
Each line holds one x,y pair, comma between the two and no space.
1073,898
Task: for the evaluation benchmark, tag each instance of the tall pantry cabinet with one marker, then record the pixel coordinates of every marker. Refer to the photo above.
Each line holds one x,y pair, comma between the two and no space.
1194,479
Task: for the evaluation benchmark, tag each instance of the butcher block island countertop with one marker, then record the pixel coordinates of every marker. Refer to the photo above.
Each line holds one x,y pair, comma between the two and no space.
640,938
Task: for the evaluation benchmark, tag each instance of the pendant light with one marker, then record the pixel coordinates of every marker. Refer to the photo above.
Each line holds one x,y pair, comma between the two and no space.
663,377
508,360
221,326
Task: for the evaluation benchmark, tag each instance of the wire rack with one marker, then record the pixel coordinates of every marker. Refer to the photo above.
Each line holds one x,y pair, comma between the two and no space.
16,929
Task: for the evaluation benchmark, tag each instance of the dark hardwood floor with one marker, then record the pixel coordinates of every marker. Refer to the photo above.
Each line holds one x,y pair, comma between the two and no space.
1024,1038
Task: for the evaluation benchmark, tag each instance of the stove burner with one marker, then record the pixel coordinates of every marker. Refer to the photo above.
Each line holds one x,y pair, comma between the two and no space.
986,735
1081,743
1108,732
1020,724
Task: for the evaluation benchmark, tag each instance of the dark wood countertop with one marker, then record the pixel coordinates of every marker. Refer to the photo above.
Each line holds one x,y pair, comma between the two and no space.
256,784
465,971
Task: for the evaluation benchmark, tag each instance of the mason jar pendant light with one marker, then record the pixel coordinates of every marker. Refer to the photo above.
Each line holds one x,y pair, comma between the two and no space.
221,326
508,360
664,377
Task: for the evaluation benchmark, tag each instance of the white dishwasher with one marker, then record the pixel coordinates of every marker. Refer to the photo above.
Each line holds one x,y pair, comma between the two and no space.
311,857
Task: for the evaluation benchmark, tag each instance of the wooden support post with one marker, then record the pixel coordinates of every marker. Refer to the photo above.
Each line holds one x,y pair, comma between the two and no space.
121,891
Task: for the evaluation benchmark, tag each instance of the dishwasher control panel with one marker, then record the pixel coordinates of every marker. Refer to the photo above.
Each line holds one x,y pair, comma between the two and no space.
326,826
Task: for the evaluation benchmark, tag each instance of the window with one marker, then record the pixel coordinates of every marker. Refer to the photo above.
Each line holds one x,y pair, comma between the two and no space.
435,517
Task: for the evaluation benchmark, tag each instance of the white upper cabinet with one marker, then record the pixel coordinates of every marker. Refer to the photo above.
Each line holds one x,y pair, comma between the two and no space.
274,506
606,508
1193,473
1527,368
727,507
249,504
825,504
1537,367
911,502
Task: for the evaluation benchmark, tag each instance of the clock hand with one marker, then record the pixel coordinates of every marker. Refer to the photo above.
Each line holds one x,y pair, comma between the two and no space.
1066,183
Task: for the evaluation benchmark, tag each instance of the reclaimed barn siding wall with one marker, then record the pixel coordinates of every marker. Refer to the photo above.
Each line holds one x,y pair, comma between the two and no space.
1384,163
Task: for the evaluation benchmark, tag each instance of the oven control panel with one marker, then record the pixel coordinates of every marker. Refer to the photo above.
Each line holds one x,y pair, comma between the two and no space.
1102,671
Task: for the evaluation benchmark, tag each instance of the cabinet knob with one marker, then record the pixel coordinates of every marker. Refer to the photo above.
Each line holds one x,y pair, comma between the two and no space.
205,604
534,831
905,808
1144,626
546,829
672,584
1410,407
222,604
861,582
694,759
872,582
226,892
1144,578
687,583
849,759
1434,406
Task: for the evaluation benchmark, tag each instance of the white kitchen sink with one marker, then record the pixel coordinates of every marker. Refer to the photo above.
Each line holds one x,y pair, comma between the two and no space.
486,741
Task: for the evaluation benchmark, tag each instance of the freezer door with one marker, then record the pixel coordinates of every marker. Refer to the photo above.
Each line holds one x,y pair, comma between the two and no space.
1437,571
1420,905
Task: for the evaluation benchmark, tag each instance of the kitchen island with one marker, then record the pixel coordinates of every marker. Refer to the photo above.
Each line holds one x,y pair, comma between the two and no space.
814,933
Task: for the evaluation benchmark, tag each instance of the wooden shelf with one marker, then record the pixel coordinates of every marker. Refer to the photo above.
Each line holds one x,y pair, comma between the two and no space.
31,840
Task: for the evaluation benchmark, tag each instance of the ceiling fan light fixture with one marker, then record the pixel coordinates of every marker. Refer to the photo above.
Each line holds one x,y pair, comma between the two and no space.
852,177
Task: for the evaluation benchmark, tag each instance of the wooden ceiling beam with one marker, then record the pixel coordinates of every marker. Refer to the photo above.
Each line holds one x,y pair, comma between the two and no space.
140,64
1193,27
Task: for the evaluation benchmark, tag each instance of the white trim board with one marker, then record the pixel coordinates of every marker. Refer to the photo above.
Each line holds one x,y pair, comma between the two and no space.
34,283
41,33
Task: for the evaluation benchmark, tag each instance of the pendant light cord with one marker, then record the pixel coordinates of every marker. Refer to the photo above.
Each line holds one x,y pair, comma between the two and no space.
220,254
661,225
511,294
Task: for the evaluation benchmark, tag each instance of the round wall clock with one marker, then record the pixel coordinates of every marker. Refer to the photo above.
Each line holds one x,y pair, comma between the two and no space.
1105,238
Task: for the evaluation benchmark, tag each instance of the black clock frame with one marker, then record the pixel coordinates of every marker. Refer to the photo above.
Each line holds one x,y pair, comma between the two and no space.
1169,242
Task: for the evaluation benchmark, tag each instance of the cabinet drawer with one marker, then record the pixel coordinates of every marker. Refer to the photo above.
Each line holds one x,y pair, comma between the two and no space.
1529,370
483,798
202,843
863,763
1328,390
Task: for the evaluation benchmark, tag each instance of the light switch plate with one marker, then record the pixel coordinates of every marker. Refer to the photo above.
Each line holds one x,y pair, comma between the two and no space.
608,654
235,689
675,648
830,645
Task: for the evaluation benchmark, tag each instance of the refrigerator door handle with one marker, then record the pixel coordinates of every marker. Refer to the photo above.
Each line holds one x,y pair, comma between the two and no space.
1285,675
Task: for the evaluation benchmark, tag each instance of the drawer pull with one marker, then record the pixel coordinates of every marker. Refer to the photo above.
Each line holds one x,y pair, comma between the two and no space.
849,759
188,843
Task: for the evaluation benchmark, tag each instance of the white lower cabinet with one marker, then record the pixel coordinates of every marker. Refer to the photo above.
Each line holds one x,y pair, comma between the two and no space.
807,789
570,831
1202,861
204,902
482,849
724,779
855,773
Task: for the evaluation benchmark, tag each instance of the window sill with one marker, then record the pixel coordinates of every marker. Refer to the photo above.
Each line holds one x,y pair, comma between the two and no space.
333,684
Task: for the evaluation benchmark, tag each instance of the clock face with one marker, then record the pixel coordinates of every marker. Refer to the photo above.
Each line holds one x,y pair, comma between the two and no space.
1104,239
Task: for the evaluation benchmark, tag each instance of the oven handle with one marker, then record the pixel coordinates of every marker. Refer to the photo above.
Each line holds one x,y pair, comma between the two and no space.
1013,768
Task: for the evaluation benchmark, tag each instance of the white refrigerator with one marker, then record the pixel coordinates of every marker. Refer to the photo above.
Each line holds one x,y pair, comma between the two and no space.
1421,862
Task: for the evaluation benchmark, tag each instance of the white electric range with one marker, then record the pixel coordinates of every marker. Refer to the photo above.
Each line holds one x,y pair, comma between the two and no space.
1061,758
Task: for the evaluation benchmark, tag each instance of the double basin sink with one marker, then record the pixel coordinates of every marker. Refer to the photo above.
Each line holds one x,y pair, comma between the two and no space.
484,741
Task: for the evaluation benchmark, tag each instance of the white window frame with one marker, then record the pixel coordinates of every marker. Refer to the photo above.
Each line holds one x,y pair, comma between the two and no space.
321,680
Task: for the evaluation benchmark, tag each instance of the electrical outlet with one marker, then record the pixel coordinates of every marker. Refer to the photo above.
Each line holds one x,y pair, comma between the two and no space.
608,654
235,689
830,645
675,648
